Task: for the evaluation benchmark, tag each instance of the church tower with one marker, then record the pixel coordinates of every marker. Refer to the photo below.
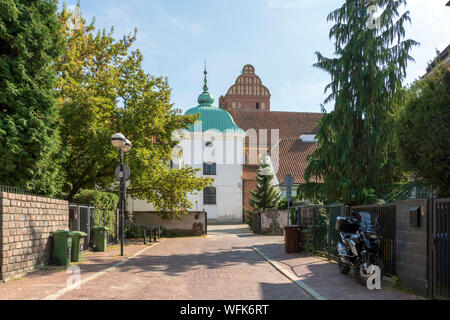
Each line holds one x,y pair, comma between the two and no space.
248,93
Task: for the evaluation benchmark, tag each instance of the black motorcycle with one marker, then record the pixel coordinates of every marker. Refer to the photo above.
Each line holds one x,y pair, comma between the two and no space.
359,246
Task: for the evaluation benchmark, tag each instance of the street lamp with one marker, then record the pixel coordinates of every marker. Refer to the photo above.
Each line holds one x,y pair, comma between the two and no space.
119,141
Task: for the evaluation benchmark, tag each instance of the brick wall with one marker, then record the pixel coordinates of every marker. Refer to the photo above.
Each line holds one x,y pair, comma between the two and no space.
25,226
187,223
307,216
249,184
411,245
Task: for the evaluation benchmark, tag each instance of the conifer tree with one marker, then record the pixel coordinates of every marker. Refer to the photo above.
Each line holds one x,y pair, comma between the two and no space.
265,196
29,142
354,157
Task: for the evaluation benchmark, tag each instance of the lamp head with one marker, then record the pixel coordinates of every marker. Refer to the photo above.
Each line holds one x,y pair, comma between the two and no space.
118,140
127,146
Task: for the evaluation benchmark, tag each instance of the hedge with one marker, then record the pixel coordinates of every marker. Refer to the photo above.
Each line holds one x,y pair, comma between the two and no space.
105,207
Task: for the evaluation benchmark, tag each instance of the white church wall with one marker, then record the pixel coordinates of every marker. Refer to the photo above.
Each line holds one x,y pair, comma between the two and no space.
227,153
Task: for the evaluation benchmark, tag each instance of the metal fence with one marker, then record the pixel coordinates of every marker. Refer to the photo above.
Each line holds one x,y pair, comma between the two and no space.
324,234
387,219
441,248
24,192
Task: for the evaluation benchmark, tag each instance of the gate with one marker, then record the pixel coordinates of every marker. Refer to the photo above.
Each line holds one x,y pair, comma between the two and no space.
325,235
441,248
387,219
82,219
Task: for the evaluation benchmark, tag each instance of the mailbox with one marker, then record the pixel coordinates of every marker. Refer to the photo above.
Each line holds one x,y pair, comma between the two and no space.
414,216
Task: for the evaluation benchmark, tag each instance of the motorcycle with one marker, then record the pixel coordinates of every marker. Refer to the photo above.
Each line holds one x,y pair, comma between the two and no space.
359,246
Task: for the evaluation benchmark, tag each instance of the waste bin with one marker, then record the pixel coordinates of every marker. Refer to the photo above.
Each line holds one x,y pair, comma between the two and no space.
292,239
100,238
77,245
62,245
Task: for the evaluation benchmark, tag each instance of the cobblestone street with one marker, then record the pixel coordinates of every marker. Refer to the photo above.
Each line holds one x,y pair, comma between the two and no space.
222,265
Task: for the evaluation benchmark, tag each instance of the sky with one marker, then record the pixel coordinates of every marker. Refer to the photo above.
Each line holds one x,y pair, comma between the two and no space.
278,37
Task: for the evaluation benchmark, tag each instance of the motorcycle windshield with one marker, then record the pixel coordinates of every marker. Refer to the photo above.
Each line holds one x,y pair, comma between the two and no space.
368,224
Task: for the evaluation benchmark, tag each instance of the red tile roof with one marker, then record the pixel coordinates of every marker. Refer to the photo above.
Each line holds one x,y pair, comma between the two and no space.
290,124
292,158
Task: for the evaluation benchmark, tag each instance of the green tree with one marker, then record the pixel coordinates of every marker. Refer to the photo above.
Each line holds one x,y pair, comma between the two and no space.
265,196
354,157
423,130
29,143
105,90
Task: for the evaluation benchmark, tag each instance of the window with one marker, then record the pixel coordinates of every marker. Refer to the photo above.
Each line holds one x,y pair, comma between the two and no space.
209,169
257,105
209,195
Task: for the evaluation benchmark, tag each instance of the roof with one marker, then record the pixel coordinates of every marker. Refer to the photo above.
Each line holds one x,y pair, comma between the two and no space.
443,57
292,158
291,125
211,117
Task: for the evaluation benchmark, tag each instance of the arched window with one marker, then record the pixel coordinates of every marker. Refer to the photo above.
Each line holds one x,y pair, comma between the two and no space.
209,195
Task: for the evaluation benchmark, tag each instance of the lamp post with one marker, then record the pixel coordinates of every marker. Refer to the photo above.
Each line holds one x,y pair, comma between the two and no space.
119,141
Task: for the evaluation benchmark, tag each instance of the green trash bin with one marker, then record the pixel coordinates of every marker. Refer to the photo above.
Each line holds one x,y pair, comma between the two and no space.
100,238
77,245
62,245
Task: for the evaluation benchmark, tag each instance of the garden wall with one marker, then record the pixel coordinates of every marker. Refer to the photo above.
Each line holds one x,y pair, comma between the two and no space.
26,223
411,244
271,221
194,222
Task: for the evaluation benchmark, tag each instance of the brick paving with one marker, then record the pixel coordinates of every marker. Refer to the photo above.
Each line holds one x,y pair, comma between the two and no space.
39,284
219,266
323,276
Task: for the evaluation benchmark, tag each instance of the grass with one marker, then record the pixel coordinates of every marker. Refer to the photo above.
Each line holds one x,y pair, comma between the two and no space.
396,284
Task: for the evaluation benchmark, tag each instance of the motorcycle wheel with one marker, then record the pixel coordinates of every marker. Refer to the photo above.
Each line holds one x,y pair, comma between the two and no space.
360,275
343,268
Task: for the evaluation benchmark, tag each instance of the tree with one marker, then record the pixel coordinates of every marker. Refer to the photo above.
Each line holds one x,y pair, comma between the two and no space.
103,90
354,157
265,196
29,142
423,130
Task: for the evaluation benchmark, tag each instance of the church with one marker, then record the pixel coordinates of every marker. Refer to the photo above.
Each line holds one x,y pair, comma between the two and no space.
249,103
228,142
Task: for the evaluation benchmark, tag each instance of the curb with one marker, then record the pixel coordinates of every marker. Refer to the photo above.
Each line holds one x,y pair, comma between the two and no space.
63,291
288,274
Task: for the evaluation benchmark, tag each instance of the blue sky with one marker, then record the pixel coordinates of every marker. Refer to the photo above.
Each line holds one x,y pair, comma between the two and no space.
278,37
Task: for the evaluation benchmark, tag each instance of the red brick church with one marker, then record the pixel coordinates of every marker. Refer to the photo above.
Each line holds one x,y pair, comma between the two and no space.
248,101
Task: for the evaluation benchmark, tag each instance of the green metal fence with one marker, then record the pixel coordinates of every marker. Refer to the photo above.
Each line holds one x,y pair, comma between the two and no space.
386,214
324,234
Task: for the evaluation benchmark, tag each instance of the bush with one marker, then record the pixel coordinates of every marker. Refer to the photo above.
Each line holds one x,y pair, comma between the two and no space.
134,232
423,130
105,207
282,205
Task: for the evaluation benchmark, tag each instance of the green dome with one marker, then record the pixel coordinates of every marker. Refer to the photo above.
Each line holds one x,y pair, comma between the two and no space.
212,117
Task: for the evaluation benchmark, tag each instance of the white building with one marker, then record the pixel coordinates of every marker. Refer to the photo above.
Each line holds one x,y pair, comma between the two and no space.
214,144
